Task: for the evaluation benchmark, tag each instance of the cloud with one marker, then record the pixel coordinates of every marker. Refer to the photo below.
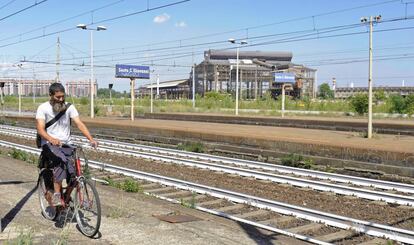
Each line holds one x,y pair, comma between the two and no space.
180,24
161,18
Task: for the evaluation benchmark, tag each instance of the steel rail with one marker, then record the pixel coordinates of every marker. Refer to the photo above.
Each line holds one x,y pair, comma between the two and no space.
317,185
359,181
370,228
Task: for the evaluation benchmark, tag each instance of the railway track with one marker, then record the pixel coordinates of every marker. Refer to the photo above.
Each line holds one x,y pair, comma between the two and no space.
301,223
340,184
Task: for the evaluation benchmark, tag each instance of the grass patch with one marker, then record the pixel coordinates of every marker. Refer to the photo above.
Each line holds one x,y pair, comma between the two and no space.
192,147
189,204
297,161
19,155
63,238
128,185
24,238
23,156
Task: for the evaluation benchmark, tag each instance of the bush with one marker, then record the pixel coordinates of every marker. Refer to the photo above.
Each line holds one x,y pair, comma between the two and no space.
397,104
130,185
192,147
359,103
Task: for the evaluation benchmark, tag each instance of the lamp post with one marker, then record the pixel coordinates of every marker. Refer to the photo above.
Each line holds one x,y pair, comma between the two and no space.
92,89
243,42
370,21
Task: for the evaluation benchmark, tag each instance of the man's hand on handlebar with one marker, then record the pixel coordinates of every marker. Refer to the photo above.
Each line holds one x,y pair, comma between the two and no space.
94,143
54,141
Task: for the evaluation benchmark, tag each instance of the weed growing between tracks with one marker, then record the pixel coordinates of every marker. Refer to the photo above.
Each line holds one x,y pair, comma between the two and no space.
128,185
189,204
297,161
192,147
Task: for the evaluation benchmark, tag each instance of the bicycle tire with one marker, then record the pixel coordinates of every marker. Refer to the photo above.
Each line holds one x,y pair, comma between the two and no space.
48,212
85,186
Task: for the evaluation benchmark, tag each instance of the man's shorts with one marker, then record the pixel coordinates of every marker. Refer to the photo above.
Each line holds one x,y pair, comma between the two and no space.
62,160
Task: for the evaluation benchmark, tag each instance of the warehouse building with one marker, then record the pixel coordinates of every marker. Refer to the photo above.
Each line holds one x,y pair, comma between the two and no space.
259,72
346,92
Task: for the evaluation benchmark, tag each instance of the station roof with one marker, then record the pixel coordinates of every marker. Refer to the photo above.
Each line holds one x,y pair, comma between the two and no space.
166,84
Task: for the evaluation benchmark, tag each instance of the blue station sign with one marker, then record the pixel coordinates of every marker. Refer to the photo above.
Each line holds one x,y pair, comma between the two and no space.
284,77
132,71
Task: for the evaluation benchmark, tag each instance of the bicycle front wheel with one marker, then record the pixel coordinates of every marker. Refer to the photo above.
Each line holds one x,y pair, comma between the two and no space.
87,208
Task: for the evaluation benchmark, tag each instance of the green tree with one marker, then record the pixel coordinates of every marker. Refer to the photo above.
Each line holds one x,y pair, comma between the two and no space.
379,96
325,92
359,103
409,102
397,104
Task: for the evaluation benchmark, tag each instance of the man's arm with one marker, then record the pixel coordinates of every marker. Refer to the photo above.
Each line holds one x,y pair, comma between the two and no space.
82,127
40,125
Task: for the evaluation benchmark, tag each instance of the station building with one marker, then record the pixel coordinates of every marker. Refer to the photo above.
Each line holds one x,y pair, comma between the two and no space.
259,72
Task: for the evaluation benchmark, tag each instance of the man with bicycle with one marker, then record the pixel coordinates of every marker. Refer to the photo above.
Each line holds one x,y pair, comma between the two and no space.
53,121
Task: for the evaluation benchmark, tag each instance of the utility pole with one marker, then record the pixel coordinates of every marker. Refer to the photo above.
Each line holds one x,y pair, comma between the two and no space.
371,20
57,60
92,80
243,42
34,83
194,67
158,86
132,98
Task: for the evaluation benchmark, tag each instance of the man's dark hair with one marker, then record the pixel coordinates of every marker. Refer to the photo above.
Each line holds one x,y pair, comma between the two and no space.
56,87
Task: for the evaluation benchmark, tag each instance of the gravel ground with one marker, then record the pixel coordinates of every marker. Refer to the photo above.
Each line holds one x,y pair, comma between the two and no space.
337,204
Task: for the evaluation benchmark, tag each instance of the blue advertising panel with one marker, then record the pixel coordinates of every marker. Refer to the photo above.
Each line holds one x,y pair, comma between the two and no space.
131,71
284,77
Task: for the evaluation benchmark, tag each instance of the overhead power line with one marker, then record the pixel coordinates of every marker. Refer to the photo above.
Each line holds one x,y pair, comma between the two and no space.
22,10
257,26
62,20
93,23
297,38
7,4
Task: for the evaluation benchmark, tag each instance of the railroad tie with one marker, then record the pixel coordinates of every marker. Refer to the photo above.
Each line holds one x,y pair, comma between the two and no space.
212,202
375,241
305,228
176,194
336,236
162,189
151,185
197,197
231,208
253,214
279,220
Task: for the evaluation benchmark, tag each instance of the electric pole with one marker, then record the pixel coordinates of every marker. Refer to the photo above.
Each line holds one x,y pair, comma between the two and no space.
371,20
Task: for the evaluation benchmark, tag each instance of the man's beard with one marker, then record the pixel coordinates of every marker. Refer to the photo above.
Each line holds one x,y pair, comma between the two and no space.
58,106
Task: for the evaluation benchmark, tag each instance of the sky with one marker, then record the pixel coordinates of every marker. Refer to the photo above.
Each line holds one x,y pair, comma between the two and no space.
171,35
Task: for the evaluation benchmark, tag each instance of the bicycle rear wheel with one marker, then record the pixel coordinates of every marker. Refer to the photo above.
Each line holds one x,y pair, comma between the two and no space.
45,192
87,208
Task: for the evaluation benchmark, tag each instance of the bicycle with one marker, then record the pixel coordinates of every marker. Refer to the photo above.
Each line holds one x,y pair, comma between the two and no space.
80,197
